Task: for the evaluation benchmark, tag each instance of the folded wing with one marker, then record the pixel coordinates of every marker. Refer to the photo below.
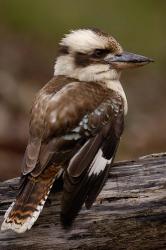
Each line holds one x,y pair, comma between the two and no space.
89,168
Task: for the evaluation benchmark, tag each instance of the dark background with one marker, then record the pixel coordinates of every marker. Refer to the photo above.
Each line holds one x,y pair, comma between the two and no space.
29,33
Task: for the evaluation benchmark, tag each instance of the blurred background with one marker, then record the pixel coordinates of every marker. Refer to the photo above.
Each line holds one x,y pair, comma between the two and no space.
29,33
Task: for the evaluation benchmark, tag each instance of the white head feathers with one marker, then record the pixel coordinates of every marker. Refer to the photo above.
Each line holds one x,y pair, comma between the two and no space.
84,40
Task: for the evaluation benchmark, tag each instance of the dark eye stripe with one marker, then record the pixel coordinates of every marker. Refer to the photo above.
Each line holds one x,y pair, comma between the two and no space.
63,50
99,53
82,59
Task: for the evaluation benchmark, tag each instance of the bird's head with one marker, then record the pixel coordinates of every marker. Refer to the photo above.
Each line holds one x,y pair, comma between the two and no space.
92,55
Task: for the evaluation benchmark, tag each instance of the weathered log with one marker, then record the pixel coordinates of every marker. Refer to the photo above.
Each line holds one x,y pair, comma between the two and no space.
130,213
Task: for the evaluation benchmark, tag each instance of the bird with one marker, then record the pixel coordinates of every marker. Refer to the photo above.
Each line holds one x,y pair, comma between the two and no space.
76,123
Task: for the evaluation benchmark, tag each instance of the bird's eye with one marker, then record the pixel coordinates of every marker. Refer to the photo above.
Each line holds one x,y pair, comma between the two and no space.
98,53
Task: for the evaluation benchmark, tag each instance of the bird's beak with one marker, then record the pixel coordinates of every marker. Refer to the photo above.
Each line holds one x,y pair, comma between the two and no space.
127,60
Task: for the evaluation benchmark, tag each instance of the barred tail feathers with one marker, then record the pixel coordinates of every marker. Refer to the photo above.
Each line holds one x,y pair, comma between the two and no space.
22,214
15,224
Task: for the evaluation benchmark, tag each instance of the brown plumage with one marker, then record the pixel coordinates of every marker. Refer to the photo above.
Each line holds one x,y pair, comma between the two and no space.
48,144
76,123
32,194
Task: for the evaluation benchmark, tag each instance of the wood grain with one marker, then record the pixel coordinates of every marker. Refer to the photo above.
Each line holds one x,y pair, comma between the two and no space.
130,213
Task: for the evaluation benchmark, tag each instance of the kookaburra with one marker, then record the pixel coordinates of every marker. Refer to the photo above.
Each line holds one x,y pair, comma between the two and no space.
76,123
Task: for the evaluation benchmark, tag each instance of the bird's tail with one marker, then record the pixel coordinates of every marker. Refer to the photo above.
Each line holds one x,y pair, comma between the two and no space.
23,213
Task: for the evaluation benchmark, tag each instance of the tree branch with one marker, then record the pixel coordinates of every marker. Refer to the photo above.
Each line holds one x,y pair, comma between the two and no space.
130,213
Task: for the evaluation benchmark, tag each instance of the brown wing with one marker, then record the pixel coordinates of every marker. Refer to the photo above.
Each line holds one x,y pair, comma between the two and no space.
89,168
57,110
73,120
37,121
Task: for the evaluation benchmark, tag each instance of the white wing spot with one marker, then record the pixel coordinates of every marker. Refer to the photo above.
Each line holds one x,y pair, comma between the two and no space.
99,163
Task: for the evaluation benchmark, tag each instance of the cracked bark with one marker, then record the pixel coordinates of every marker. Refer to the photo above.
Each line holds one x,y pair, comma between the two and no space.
130,213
